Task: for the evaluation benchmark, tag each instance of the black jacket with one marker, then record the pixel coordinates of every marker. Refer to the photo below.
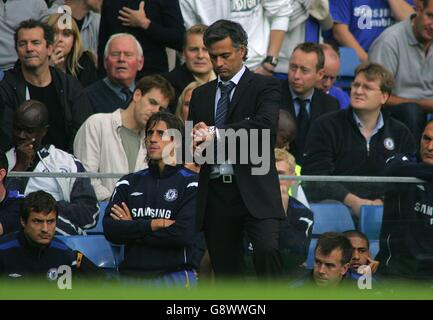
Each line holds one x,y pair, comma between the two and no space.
74,103
335,146
254,106
19,259
321,103
179,78
10,211
406,237
165,30
148,196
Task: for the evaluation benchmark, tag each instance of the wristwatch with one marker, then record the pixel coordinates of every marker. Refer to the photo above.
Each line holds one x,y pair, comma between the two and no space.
271,60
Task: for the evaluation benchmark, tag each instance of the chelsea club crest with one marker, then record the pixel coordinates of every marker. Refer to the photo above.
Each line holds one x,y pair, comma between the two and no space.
170,195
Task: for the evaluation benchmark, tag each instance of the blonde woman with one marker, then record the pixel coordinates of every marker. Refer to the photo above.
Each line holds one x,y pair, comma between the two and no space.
182,108
68,54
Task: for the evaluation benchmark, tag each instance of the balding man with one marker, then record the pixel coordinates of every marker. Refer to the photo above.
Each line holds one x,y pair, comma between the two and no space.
331,69
123,58
75,197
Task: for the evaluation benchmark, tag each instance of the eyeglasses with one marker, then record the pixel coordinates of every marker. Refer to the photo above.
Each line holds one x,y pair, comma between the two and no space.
365,87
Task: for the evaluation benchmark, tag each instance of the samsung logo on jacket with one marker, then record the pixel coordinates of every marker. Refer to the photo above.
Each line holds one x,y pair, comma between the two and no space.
150,212
424,208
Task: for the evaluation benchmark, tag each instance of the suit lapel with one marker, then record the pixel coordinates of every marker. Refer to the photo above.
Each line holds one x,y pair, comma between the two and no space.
239,90
209,105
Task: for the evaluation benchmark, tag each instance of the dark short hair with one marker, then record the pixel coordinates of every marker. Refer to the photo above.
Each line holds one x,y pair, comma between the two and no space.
38,201
357,234
222,29
156,81
170,119
31,24
42,112
375,71
197,29
330,241
172,122
311,47
3,161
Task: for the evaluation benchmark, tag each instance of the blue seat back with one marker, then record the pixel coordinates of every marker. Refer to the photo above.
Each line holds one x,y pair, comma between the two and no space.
348,63
98,229
370,221
331,217
95,247
328,217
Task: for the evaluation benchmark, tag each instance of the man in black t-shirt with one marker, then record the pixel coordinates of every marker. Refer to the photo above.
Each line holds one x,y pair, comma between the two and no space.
33,78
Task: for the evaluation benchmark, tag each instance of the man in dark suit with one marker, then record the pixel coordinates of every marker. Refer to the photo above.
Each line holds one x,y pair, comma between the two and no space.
299,96
231,199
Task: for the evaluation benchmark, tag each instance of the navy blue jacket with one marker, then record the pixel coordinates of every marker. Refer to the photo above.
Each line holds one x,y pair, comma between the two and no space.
336,147
151,195
10,211
21,259
406,237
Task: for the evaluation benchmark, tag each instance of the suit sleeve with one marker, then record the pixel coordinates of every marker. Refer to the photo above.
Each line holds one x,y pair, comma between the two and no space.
267,109
122,232
170,32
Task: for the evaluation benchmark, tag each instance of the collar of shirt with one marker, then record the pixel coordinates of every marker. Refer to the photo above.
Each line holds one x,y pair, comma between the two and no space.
379,124
296,103
117,89
409,31
236,78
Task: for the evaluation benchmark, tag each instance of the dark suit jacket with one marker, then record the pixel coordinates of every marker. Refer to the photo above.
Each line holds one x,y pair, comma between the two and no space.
179,79
254,105
165,30
321,103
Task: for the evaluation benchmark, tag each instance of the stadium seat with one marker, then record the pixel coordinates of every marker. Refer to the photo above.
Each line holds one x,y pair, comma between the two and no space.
374,248
348,63
331,217
327,218
98,229
95,247
370,221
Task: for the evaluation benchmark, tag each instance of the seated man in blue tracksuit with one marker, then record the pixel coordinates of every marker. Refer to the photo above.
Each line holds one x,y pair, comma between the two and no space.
153,212
34,252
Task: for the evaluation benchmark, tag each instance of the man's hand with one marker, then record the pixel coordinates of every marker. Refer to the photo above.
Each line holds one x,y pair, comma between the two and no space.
355,203
374,264
263,71
201,133
121,212
158,224
134,18
25,155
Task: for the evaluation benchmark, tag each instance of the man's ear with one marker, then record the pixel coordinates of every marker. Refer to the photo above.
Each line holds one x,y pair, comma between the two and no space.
2,174
23,223
320,74
345,268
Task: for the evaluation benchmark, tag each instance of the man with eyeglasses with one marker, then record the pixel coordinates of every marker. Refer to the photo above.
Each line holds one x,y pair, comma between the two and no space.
356,141
331,70
405,50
